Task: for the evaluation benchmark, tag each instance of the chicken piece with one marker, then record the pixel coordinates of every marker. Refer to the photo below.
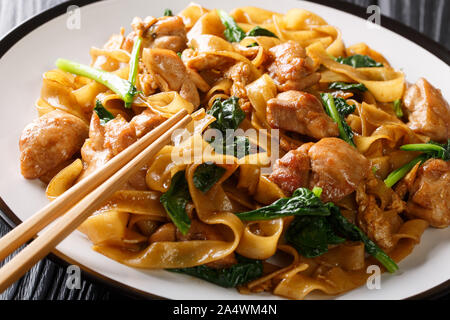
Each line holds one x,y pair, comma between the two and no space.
170,73
293,170
169,33
379,225
106,141
429,113
240,74
49,175
337,168
201,84
93,152
49,141
203,231
331,164
300,112
429,195
119,135
378,211
145,122
164,33
208,61
291,68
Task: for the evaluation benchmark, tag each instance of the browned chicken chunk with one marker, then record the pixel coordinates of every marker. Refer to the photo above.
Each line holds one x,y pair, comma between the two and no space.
164,33
49,141
106,141
429,195
240,74
336,167
300,112
291,68
378,211
145,122
429,113
170,73
293,170
119,135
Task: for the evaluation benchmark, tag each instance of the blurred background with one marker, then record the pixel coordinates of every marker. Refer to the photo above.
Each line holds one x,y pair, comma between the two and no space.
427,16
47,279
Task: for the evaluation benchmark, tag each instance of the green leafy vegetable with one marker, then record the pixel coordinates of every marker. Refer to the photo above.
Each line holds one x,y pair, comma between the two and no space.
258,31
237,146
398,108
125,89
175,201
168,13
430,150
347,86
348,230
103,114
228,114
233,33
343,108
359,61
251,45
312,232
311,235
206,175
338,109
302,202
244,271
316,225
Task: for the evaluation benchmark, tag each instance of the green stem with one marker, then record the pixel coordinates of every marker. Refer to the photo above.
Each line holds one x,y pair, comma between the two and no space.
134,64
386,261
134,60
398,108
122,87
317,191
398,174
334,114
422,147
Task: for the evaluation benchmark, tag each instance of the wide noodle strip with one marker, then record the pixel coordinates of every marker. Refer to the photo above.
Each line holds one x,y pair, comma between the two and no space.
260,239
232,72
384,83
64,179
212,208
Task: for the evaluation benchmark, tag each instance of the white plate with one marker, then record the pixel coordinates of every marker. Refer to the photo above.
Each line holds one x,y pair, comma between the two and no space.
21,70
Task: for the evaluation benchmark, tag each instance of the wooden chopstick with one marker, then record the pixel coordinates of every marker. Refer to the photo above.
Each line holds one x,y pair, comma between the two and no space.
87,204
30,227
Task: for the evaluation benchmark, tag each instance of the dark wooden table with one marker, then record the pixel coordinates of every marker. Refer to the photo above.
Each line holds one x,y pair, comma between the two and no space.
46,280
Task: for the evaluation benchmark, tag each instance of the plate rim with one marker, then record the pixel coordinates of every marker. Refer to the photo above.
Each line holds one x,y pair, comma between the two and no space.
29,25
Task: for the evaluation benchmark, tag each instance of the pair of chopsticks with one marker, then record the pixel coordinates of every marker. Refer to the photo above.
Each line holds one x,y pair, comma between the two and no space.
79,202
